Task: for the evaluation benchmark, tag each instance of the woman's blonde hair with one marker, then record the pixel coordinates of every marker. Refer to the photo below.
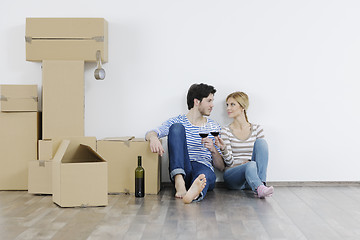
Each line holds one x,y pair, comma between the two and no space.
243,100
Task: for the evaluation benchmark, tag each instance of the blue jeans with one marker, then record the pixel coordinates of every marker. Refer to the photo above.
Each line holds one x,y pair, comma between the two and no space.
252,173
179,161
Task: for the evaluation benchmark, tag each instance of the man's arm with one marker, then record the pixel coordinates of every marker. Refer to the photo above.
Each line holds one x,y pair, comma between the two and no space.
155,144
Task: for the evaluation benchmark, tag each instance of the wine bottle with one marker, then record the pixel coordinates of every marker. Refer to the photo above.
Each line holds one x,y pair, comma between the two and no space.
139,180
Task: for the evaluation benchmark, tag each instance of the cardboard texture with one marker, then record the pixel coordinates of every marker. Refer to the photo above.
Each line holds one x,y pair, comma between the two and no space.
18,98
79,176
40,177
121,155
63,99
18,145
66,39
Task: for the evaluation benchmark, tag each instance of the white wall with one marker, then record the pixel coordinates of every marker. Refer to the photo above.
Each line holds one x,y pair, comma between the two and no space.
298,61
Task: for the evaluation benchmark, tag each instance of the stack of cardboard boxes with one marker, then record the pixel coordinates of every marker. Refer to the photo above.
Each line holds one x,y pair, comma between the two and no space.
67,162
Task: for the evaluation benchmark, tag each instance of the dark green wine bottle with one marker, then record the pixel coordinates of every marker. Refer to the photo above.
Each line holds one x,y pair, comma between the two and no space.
139,180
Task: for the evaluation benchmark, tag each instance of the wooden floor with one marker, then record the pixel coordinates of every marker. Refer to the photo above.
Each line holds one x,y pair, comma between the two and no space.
291,213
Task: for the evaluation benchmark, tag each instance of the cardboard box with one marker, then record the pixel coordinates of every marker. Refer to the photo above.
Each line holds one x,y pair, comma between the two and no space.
66,39
18,145
63,99
121,155
18,98
45,149
79,176
40,177
48,147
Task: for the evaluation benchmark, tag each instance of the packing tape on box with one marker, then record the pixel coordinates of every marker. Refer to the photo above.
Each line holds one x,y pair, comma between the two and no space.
3,98
41,163
127,142
29,39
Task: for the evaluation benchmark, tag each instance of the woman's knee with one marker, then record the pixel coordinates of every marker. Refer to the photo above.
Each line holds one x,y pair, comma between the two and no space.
261,144
251,167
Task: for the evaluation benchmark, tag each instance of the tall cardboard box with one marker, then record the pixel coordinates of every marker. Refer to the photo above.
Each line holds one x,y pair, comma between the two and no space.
63,99
18,145
79,176
66,39
121,155
18,98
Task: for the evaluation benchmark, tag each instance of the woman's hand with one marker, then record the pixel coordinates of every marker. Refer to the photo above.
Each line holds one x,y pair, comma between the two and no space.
220,143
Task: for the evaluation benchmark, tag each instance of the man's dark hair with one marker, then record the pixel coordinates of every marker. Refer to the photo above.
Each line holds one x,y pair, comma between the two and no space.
198,91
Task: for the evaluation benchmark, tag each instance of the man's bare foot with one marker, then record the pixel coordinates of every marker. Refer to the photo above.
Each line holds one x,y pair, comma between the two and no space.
196,187
179,186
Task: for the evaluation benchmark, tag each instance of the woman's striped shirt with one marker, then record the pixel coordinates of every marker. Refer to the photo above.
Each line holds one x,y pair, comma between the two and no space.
195,148
239,151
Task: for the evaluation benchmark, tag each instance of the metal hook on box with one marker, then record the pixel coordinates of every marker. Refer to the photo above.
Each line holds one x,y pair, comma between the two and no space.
99,71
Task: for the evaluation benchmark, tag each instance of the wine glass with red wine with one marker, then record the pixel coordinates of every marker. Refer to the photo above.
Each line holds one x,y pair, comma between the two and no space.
215,130
204,131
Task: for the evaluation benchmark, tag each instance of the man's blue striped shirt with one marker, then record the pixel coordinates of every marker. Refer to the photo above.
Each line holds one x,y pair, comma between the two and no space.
196,150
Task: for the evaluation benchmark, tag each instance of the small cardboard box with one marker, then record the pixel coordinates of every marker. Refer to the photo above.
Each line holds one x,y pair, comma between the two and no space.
79,176
18,98
18,145
63,99
40,177
121,155
66,39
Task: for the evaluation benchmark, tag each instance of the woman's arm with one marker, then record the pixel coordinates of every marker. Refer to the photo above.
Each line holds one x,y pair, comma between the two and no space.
225,146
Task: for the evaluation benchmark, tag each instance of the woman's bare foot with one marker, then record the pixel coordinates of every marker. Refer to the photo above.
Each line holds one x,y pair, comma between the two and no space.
196,187
179,186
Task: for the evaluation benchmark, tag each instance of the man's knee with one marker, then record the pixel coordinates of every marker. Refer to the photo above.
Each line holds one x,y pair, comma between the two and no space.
177,129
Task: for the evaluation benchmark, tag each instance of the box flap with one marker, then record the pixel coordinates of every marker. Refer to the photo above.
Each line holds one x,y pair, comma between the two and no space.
93,153
61,151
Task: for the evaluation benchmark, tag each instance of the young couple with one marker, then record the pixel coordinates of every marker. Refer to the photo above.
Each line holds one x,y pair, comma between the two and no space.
240,150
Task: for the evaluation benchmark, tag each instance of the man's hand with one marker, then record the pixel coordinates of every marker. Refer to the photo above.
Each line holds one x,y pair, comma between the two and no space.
218,161
155,144
208,143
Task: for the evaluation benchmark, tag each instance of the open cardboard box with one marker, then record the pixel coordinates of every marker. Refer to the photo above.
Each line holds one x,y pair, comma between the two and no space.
79,175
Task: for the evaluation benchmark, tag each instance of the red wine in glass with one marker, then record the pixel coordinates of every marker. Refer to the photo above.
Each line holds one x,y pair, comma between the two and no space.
203,135
215,134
